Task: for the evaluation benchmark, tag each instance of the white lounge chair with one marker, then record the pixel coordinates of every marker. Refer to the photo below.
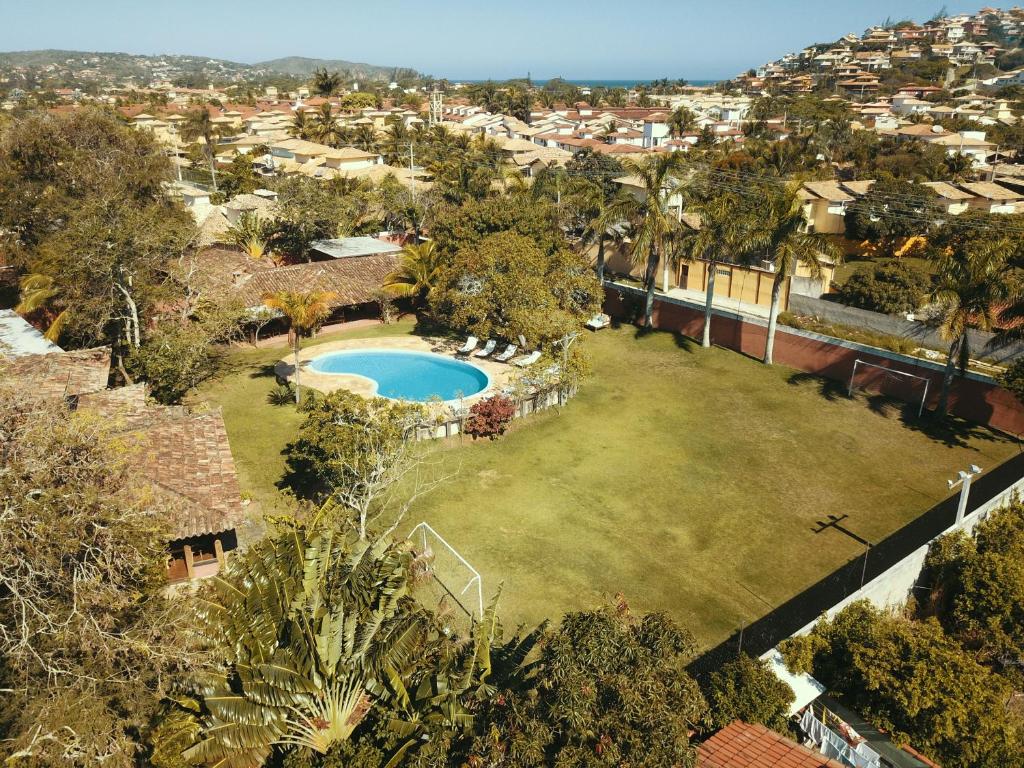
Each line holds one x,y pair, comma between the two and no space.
599,321
527,360
507,355
468,347
487,350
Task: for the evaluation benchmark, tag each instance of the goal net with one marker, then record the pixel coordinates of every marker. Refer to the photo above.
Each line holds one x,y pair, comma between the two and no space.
879,380
445,580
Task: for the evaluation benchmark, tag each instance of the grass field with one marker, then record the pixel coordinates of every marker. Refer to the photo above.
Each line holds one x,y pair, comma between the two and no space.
687,479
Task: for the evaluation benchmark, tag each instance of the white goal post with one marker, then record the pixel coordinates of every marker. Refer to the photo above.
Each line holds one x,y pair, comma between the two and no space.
430,545
889,373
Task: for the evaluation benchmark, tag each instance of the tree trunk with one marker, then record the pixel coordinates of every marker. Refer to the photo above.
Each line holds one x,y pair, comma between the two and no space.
664,276
947,379
213,164
600,260
712,268
773,317
650,275
298,390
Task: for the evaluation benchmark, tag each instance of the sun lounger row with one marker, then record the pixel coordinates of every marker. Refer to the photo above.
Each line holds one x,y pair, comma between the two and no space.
506,355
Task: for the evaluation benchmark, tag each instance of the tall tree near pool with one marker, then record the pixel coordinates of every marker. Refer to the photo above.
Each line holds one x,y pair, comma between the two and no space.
417,273
305,312
652,223
726,233
972,284
198,125
789,245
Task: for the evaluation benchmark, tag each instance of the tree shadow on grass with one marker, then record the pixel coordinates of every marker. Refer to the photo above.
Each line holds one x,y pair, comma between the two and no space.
828,388
952,431
298,478
264,372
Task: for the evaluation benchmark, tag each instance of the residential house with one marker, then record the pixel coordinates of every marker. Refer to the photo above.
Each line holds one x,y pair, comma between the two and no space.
184,457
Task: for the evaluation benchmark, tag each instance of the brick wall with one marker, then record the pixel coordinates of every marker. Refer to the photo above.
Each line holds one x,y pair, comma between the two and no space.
975,398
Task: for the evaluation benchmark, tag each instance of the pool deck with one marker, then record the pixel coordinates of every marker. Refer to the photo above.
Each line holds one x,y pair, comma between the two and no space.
501,374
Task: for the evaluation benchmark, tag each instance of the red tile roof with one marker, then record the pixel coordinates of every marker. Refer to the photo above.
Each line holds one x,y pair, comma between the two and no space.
742,745
62,374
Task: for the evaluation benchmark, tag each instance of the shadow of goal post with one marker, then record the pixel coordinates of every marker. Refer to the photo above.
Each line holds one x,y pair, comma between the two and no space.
430,542
887,372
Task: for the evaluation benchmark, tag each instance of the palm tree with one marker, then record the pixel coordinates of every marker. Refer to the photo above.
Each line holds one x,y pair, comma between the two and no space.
608,223
365,137
301,126
315,632
652,222
396,142
37,290
971,287
305,312
326,83
251,234
417,273
789,245
326,128
198,125
681,121
725,234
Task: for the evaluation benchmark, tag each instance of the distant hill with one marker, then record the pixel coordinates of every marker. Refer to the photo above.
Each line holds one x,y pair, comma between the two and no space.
71,67
303,67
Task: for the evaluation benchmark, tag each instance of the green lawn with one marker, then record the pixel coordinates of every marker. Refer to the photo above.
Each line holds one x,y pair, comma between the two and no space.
687,479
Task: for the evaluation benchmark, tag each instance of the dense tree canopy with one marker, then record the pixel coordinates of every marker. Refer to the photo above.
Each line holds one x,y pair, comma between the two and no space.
83,211
914,681
978,584
893,288
87,633
606,688
746,689
506,286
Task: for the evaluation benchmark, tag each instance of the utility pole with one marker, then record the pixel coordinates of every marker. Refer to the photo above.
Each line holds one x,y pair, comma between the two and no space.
964,481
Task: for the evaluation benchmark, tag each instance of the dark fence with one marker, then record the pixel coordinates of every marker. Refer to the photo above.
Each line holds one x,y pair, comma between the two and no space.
983,345
768,631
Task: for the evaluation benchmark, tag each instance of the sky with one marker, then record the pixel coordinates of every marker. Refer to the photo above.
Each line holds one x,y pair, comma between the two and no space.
693,39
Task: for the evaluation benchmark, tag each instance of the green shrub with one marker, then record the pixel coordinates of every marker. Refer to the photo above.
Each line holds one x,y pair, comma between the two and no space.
746,689
893,288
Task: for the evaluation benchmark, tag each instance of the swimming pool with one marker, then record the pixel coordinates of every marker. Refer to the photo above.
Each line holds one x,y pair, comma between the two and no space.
406,375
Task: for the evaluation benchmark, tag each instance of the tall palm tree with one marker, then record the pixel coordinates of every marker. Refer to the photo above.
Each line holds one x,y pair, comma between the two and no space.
301,126
608,223
725,234
305,313
198,125
326,83
789,244
326,128
365,137
971,287
681,121
658,177
417,273
396,143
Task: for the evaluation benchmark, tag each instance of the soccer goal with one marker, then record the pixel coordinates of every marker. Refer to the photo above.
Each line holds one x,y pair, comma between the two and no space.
437,563
871,377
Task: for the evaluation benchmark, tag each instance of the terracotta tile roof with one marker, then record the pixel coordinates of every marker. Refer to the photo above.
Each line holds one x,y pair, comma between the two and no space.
62,374
355,280
188,457
741,745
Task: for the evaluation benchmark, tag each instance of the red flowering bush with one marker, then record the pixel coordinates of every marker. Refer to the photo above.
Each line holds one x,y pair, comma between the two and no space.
490,418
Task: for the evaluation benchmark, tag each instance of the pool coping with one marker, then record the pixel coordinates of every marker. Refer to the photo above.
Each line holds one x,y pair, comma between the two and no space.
375,385
499,375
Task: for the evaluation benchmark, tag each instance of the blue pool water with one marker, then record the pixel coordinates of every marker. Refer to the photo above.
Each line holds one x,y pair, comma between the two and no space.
404,375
